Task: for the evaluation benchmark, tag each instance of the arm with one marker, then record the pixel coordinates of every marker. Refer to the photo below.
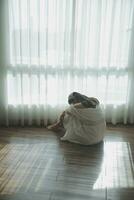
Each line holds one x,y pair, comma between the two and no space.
79,105
91,103
76,105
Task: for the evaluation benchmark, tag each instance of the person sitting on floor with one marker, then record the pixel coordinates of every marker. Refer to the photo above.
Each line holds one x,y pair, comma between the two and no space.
83,120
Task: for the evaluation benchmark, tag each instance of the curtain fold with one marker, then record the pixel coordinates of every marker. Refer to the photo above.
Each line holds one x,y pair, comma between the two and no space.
53,47
4,61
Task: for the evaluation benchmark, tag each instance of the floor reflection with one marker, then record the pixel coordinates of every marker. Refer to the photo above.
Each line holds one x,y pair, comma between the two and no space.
65,167
117,168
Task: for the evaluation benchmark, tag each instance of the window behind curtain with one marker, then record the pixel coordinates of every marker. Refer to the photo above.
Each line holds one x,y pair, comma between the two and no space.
60,46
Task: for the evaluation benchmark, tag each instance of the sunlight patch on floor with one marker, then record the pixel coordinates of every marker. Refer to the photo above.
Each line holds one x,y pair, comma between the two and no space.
117,168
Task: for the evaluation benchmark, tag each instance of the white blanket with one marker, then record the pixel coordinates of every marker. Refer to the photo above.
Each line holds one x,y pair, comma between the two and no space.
85,126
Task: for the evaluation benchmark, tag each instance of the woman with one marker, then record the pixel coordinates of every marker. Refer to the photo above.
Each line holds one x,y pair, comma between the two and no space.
83,121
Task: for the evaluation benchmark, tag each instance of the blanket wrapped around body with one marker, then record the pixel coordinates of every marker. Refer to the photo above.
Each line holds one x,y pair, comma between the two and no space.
84,126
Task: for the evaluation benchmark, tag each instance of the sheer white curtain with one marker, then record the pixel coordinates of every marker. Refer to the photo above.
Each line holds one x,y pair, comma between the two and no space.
60,46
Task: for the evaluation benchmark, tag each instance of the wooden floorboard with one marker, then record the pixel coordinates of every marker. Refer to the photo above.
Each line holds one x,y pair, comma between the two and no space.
36,165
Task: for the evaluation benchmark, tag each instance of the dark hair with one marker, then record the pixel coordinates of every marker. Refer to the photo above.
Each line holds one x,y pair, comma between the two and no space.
76,97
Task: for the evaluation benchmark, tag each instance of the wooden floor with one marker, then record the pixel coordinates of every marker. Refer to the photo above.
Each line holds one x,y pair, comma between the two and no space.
36,165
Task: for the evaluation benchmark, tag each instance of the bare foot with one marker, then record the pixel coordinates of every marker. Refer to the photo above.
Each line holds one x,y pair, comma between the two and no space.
53,127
